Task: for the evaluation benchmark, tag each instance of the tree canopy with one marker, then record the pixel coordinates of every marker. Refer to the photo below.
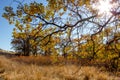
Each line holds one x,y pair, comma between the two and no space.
67,27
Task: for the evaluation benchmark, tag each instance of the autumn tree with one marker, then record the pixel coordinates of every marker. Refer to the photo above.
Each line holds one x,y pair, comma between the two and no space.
75,20
48,16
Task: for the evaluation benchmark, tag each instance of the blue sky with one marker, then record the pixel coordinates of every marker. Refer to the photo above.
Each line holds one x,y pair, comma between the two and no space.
5,27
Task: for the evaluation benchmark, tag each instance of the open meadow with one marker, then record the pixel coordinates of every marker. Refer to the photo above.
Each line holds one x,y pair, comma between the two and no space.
43,68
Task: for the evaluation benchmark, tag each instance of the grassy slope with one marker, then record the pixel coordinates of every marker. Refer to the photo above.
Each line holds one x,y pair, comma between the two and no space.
15,69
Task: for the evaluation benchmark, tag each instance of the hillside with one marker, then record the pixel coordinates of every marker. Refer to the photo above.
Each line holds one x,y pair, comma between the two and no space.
6,53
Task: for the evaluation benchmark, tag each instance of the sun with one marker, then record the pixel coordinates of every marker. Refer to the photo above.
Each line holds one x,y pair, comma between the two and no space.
104,7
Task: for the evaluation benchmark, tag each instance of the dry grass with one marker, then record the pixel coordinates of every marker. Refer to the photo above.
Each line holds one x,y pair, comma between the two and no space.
17,69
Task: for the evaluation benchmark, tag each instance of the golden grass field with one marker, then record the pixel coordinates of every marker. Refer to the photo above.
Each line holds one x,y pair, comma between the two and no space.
38,68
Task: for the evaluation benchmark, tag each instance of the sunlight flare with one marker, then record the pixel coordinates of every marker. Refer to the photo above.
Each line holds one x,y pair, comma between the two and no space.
104,7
